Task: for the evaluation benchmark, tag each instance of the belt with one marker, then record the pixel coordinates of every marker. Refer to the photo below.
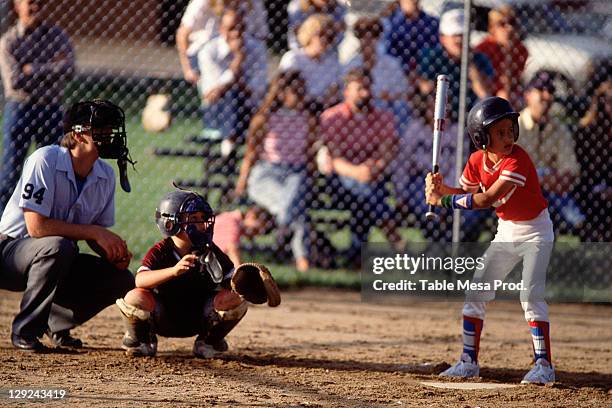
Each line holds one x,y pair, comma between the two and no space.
4,239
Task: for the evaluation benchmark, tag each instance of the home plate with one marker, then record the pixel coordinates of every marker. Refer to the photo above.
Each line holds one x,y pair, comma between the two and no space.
468,385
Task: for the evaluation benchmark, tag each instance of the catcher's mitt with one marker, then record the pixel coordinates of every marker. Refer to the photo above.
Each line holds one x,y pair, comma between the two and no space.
255,284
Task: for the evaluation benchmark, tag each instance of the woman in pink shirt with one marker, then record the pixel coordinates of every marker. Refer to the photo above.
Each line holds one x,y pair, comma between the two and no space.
279,157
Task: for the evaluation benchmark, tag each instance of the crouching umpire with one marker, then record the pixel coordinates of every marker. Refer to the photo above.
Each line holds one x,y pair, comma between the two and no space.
66,194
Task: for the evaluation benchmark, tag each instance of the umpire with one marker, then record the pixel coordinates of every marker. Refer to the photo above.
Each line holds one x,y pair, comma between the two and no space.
36,61
66,194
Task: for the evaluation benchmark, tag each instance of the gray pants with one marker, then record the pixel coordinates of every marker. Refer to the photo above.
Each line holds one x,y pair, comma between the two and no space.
62,288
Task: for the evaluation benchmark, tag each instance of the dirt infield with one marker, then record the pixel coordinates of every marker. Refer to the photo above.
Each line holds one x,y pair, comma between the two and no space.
324,348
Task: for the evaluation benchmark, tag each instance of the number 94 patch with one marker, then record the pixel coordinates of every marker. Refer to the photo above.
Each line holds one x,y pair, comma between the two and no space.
29,193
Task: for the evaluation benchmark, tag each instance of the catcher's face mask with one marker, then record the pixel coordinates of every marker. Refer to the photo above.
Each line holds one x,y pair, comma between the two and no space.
198,222
105,122
199,226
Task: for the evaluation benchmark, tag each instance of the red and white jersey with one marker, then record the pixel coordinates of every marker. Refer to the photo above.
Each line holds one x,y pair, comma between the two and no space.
525,200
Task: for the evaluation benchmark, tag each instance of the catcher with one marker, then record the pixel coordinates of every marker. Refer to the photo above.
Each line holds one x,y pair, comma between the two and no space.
187,286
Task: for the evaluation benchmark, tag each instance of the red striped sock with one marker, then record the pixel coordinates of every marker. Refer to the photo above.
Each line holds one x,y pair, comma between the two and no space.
540,335
472,329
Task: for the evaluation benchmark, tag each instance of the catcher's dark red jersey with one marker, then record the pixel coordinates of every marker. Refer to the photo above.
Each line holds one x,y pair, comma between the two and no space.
190,286
525,200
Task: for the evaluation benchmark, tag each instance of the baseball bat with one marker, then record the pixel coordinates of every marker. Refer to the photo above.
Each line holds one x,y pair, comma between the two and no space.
439,126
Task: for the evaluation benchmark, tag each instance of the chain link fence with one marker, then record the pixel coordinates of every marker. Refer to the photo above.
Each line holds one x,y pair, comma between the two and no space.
307,124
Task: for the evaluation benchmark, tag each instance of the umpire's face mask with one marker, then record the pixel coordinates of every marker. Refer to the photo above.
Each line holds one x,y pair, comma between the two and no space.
109,135
112,144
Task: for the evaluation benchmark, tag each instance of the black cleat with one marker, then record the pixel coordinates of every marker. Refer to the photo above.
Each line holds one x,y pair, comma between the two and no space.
63,338
28,343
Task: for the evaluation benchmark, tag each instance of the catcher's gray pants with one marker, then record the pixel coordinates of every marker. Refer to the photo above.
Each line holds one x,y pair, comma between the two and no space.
530,241
62,288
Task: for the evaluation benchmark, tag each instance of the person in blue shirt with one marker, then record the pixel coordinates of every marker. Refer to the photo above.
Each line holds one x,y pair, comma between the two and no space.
407,31
66,194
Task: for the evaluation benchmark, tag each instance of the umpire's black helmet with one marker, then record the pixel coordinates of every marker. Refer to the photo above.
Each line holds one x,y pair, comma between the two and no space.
174,206
106,122
95,114
484,114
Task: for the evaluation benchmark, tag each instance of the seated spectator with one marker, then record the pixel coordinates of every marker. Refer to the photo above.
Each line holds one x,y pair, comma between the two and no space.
200,24
413,162
506,52
279,153
409,31
360,141
593,147
300,10
551,147
389,85
231,226
234,80
445,58
320,68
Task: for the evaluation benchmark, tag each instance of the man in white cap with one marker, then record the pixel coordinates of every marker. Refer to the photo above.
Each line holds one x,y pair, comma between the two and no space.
445,58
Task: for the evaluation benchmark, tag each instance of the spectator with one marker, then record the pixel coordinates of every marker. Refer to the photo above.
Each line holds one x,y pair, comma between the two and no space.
549,142
65,194
235,78
300,10
445,58
320,68
413,162
506,52
279,158
593,147
389,85
200,24
36,61
409,31
361,141
231,226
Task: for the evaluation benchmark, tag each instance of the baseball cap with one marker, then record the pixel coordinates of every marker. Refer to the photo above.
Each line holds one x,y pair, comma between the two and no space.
542,80
451,22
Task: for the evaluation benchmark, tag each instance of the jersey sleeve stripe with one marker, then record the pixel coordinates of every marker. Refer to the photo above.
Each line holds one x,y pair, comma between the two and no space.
513,174
467,183
143,268
512,179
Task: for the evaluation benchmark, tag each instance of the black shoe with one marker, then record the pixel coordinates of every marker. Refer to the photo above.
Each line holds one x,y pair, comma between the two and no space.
28,343
63,338
221,346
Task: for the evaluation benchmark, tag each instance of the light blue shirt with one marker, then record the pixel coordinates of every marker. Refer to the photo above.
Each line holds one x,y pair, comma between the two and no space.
48,186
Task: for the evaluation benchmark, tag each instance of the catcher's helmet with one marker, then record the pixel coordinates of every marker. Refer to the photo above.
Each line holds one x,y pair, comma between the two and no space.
484,114
106,122
172,215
